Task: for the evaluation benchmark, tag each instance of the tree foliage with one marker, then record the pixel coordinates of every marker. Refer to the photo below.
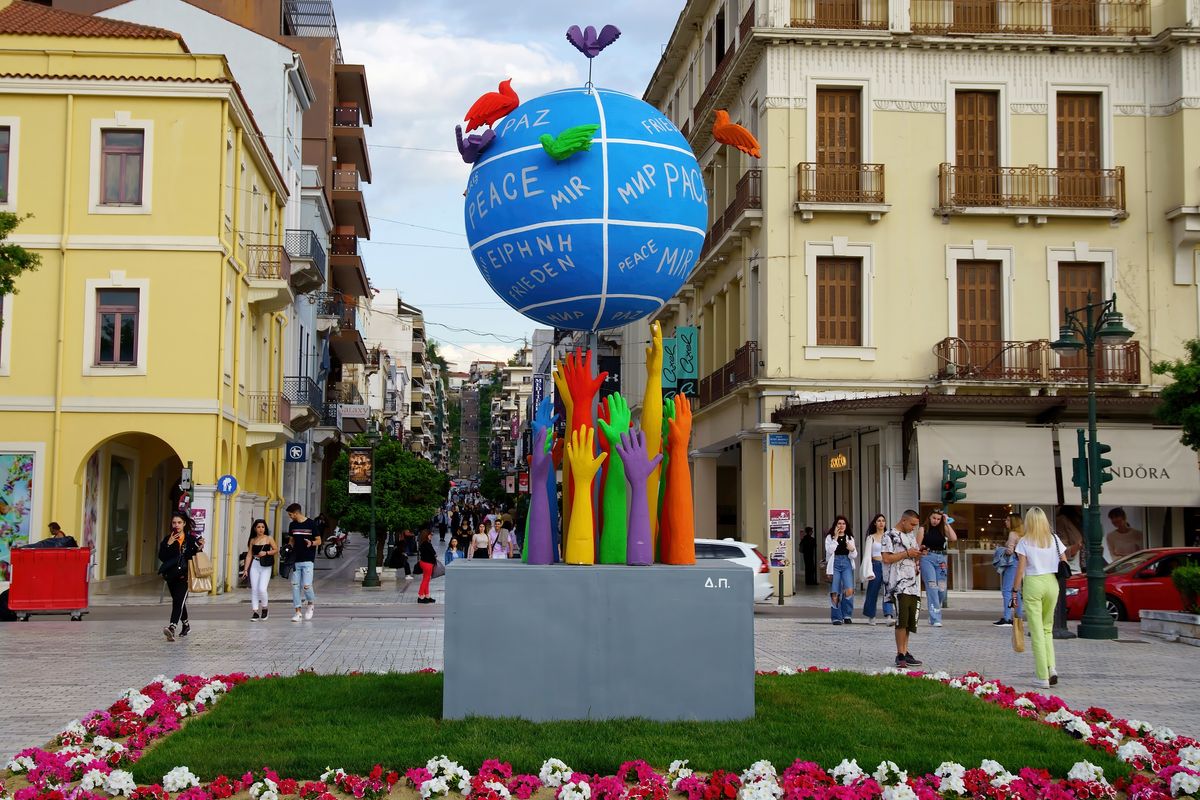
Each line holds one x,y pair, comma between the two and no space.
1180,401
408,490
491,485
14,259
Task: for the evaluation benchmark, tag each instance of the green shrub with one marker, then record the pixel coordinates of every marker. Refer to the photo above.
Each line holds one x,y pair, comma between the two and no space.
1187,582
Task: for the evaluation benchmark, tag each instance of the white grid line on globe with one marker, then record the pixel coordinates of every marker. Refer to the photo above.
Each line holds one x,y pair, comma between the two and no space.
630,223
604,213
598,139
545,303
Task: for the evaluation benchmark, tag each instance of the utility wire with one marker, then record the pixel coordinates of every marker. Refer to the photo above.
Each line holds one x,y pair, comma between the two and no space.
414,225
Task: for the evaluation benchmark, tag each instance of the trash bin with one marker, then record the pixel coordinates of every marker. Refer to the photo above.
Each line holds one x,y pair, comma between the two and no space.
49,581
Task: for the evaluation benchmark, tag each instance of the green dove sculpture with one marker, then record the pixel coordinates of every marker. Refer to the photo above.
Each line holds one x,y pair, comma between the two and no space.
569,142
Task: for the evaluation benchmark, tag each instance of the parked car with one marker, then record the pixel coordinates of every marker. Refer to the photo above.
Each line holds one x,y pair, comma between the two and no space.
1138,581
742,553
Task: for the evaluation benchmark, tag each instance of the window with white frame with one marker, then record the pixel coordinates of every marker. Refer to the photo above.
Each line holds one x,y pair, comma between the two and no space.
5,331
5,138
9,139
115,334
121,168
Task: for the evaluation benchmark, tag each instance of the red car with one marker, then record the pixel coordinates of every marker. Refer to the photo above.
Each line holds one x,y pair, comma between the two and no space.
1138,581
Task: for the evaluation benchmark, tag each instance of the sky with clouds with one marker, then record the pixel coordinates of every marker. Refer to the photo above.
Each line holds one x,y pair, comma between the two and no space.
427,61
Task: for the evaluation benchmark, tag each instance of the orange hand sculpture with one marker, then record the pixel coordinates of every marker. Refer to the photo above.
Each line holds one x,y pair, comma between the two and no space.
564,394
680,546
580,545
492,106
652,421
731,133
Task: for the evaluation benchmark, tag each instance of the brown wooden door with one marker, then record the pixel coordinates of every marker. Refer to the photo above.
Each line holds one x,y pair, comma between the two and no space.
839,144
839,301
1079,283
1078,125
974,16
980,322
837,14
1076,17
977,148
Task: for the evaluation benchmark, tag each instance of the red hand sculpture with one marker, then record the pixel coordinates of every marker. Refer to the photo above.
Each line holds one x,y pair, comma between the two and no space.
575,376
680,547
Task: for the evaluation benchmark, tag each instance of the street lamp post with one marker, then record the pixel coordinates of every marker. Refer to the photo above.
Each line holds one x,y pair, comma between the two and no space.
371,579
1084,326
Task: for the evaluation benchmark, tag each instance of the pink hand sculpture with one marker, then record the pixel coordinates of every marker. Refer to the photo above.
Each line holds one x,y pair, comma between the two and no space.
540,547
638,467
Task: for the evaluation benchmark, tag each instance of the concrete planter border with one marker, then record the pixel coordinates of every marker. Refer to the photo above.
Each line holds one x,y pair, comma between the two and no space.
1174,626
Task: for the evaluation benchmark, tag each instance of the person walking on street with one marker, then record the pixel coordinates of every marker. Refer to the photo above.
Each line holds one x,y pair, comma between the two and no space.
454,551
481,543
873,555
808,548
257,566
428,557
1038,555
175,551
901,556
501,540
1007,565
933,540
839,556
302,533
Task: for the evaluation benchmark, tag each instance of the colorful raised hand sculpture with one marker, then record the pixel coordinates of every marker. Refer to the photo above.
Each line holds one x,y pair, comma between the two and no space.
652,419
580,385
664,485
539,543
564,394
639,465
614,527
581,547
679,547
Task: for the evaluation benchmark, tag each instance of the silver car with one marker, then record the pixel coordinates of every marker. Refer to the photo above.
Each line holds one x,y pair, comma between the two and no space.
743,553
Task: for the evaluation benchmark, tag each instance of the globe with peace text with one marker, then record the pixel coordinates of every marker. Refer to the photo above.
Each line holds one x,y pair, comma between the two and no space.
597,240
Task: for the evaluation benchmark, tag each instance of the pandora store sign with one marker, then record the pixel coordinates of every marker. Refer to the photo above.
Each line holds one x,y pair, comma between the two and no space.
1004,464
1150,467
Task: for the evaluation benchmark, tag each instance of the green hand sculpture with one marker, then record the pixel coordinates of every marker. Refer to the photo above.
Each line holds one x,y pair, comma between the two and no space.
614,532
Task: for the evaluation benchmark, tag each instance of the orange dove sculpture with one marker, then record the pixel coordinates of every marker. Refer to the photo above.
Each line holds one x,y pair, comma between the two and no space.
731,133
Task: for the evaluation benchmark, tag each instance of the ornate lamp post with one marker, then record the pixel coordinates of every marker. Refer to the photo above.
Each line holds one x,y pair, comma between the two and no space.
371,579
1085,326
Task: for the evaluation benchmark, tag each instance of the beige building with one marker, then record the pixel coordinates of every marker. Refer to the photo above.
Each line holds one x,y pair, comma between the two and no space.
940,181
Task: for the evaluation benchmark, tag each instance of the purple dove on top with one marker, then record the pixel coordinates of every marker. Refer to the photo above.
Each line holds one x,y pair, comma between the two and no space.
588,42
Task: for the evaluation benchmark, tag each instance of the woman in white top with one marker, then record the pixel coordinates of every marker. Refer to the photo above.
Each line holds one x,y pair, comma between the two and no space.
839,559
873,567
1038,555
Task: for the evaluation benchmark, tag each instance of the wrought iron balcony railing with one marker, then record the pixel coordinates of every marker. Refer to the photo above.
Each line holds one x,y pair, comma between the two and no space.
334,304
268,261
346,116
301,390
1031,187
268,408
302,244
839,183
741,368
840,14
746,195
1034,361
1052,17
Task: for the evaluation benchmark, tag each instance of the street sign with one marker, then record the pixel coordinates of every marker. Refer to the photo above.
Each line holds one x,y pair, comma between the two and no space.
226,484
296,452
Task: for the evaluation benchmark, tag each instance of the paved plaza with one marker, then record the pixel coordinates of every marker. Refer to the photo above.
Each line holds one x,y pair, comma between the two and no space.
55,670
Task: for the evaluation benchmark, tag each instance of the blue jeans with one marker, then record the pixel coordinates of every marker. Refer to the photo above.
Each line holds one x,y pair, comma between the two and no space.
933,573
302,576
1007,579
842,607
873,594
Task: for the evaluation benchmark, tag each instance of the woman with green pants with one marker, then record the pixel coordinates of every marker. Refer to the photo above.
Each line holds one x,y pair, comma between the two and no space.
1038,554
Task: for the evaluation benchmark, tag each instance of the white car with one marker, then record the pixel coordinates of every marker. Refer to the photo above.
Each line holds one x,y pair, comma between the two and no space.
742,553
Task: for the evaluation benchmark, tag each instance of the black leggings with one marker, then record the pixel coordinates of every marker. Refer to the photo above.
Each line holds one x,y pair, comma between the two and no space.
178,587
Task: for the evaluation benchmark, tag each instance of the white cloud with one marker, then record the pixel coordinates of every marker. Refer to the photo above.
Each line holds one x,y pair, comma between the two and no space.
460,356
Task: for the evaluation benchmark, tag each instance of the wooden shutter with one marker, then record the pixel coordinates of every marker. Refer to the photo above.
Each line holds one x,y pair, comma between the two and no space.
1077,17
980,301
974,16
977,148
1079,283
839,144
839,301
837,13
1078,125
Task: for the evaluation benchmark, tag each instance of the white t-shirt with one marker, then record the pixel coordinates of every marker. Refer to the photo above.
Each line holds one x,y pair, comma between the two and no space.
1040,560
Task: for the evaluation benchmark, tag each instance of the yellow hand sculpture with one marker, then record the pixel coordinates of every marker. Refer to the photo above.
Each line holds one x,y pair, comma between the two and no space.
652,420
580,546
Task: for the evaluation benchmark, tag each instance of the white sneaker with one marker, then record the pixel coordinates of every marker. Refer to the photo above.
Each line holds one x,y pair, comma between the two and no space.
308,611
1042,683
408,577
937,624
871,620
297,617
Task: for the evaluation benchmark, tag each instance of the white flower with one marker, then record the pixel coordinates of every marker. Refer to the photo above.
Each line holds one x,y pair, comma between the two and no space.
956,684
179,779
554,773
677,772
1087,771
169,686
138,702
266,789
498,788
575,791
1163,734
1133,751
760,770
20,764
120,783
209,693
92,780
1078,726
1024,702
786,671
760,790
901,791
103,746
1190,757
972,680
1060,716
434,787
888,773
184,709
330,772
1184,783
1140,726
940,675
951,774
454,775
847,772
985,689
992,767
74,729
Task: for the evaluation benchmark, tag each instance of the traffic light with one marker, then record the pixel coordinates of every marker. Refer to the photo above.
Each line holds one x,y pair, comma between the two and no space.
954,488
1079,467
1103,476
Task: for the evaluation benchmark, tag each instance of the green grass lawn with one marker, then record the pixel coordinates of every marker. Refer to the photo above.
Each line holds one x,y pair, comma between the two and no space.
300,725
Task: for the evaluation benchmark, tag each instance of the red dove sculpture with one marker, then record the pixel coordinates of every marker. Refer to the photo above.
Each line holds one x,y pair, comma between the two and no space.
492,106
731,133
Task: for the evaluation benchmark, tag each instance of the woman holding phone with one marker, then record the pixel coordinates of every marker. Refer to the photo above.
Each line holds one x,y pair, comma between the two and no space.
175,551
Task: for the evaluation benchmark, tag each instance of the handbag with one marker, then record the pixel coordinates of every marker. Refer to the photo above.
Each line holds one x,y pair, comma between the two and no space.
200,565
1064,569
267,561
439,569
866,571
1018,634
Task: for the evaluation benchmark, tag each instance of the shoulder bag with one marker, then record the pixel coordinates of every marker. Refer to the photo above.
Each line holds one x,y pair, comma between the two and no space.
1064,569
200,573
866,571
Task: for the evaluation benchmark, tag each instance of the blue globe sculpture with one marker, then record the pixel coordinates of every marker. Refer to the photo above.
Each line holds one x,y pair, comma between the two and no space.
600,239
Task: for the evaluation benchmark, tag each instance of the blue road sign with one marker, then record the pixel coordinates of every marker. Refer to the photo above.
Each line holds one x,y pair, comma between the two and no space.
295,452
226,484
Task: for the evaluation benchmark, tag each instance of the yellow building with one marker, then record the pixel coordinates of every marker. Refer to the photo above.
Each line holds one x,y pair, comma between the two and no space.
939,182
150,337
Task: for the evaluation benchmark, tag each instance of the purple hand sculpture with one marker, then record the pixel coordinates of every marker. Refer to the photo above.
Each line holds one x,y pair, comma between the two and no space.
640,548
540,548
473,146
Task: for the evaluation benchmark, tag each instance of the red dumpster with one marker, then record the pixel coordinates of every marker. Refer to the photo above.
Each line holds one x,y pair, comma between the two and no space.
51,580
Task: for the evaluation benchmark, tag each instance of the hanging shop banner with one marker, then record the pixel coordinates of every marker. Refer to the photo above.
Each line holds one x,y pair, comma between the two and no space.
362,470
670,371
523,482
510,484
1004,464
1150,467
539,389
687,360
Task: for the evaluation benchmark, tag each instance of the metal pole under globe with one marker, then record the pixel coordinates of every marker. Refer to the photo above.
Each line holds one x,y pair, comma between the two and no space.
371,579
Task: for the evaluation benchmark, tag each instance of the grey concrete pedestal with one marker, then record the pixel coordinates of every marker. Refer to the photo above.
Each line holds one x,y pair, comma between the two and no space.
602,642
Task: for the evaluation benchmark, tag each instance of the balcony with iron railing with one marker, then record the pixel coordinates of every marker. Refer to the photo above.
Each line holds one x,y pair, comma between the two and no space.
743,212
861,15
740,369
349,207
306,399
1032,191
269,271
1034,362
307,257
1031,17
349,271
840,187
269,415
338,316
390,403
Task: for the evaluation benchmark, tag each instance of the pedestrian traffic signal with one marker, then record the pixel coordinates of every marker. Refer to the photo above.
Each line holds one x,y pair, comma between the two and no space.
954,488
1103,476
1079,465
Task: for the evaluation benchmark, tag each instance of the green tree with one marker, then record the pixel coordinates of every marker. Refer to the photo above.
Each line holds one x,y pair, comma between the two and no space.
1180,401
408,490
14,259
491,485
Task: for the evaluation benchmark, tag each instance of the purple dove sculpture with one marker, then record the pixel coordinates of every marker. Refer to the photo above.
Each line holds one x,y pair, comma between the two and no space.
540,545
639,550
589,42
473,146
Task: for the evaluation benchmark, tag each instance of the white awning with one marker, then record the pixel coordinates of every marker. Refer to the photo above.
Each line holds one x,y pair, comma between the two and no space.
1151,467
1004,464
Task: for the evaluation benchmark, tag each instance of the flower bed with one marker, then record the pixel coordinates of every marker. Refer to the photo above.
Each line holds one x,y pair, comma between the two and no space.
88,760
